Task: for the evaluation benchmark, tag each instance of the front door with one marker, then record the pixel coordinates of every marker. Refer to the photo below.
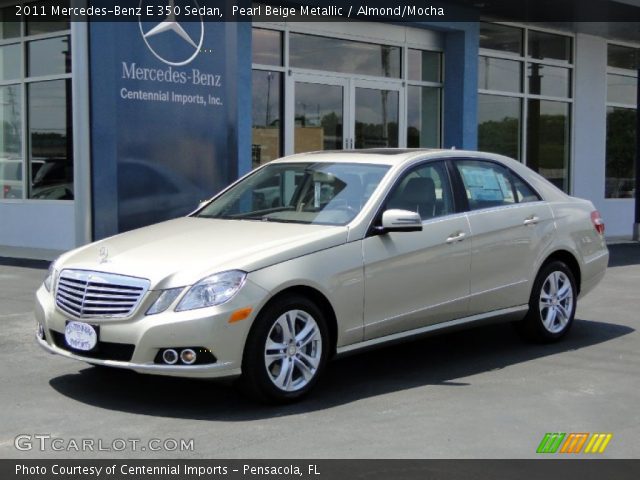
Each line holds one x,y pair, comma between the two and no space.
414,279
319,112
339,112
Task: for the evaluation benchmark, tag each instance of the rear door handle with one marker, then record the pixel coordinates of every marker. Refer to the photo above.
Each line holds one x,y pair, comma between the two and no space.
532,220
456,237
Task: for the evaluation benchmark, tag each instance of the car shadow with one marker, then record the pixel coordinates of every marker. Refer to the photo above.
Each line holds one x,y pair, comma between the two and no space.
624,254
442,360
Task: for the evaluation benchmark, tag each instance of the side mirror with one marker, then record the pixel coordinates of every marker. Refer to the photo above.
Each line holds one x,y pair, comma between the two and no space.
400,221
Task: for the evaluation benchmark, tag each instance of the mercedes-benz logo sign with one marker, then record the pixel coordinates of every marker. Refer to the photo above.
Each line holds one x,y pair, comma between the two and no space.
171,30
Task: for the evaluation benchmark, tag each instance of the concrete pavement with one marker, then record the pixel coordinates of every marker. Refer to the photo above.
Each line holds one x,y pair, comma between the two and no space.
481,393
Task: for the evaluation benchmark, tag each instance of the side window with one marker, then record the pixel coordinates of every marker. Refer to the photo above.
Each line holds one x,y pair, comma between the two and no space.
425,190
524,191
491,185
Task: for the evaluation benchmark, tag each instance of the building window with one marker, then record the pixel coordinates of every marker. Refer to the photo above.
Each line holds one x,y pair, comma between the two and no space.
500,124
342,92
502,38
424,98
36,142
267,47
344,56
266,133
548,140
525,98
267,88
622,91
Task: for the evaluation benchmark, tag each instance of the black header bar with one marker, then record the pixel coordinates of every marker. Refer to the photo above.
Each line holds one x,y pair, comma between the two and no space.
396,11
543,469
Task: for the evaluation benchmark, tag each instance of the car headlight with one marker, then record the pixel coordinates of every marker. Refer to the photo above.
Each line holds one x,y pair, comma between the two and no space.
214,290
164,301
48,281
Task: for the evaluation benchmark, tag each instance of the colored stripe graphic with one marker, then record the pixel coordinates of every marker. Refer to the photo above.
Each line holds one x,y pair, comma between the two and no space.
574,443
550,442
598,443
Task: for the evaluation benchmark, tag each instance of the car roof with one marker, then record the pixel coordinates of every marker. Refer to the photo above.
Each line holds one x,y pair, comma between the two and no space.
380,156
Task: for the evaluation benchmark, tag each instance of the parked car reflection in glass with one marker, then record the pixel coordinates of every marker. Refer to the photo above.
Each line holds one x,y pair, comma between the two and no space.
149,192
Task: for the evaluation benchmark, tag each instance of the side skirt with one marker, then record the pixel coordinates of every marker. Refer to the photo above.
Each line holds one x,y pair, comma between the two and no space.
496,316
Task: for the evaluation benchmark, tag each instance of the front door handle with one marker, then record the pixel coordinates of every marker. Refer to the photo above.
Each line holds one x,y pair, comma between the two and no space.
532,220
456,237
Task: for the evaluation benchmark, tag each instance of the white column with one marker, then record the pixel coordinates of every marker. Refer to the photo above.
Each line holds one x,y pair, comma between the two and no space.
81,136
590,133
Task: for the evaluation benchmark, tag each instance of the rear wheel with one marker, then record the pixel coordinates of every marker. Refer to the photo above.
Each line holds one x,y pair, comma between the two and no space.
286,350
552,305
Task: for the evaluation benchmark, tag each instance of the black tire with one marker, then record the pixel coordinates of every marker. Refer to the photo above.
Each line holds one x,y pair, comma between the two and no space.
541,325
256,379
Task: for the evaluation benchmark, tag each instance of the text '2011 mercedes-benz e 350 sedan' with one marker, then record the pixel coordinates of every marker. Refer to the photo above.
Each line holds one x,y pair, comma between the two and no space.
322,253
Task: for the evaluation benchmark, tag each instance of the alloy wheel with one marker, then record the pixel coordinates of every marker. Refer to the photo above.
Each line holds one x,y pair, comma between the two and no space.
293,350
556,301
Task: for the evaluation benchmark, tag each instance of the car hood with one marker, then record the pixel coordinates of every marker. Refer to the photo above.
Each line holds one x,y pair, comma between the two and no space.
182,251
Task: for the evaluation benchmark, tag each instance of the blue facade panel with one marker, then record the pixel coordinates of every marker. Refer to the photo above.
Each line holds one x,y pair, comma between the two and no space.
460,122
170,118
460,103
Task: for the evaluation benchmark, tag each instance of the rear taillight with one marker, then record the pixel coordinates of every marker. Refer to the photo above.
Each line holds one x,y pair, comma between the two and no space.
597,221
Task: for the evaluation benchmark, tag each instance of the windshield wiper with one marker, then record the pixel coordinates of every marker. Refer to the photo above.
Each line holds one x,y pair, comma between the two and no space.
217,217
262,218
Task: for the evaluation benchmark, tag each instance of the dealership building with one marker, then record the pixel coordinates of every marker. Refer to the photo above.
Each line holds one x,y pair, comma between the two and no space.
112,125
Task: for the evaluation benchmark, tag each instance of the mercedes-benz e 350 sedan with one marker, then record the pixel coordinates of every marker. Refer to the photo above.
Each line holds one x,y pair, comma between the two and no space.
322,253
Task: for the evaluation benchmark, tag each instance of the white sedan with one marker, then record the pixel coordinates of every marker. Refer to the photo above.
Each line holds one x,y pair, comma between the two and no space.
318,254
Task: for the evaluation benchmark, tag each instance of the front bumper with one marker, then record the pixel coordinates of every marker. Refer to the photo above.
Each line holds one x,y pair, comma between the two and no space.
215,370
208,328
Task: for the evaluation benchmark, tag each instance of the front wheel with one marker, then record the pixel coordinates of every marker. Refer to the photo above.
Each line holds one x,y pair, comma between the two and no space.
285,351
552,305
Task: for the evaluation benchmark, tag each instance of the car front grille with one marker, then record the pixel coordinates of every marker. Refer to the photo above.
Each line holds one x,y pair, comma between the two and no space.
88,294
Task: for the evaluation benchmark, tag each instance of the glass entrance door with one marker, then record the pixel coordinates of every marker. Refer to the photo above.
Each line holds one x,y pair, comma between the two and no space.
319,114
376,117
336,112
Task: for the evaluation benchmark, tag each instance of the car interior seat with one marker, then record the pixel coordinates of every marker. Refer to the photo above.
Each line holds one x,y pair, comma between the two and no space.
418,195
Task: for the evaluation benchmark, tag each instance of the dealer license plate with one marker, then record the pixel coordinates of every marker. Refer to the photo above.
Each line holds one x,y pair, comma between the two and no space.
80,336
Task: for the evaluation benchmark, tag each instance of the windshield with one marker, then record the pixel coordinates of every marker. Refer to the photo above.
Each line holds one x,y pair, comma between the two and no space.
311,193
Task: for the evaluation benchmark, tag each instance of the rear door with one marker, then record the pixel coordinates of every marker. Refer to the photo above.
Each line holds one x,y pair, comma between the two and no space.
414,279
510,224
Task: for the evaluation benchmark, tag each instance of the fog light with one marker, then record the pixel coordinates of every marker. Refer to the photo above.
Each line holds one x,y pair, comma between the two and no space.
40,331
188,356
170,356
